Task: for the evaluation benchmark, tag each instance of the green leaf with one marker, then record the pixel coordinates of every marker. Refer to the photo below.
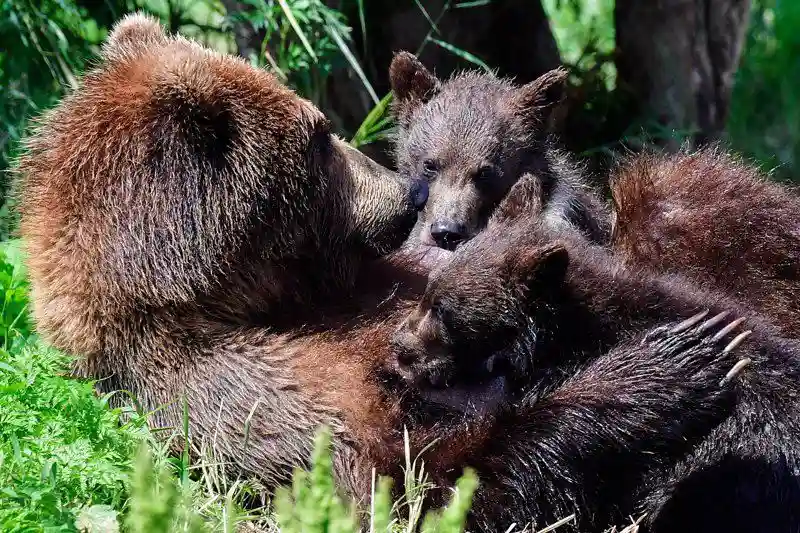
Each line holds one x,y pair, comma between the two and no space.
97,519
461,53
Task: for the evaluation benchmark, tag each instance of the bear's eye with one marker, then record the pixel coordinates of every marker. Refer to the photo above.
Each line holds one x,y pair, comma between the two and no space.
485,174
429,168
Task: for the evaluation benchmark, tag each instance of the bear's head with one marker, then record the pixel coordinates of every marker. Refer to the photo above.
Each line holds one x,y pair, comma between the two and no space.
472,137
179,178
476,325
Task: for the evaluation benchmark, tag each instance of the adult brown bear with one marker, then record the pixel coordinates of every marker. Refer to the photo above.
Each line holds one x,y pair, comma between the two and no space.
183,212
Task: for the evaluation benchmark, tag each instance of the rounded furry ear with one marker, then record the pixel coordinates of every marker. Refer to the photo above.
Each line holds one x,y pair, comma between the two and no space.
132,35
524,199
543,266
412,84
538,98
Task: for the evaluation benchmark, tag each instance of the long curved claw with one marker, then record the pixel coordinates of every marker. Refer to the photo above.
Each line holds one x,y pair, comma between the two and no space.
714,321
689,322
737,341
735,371
727,329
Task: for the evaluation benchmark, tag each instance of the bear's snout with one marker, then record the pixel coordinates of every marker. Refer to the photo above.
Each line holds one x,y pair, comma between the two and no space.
405,347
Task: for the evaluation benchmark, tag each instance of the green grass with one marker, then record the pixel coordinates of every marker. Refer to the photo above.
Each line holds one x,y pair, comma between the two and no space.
584,33
61,448
314,505
70,463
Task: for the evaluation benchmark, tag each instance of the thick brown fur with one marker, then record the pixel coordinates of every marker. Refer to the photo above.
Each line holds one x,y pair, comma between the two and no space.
522,319
174,174
716,219
472,137
185,215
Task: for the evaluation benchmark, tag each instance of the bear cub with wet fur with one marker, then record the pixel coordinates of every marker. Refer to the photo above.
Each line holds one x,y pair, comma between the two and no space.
520,316
521,295
472,137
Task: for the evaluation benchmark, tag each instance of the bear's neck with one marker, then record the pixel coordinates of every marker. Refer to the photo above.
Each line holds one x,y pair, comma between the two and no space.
567,199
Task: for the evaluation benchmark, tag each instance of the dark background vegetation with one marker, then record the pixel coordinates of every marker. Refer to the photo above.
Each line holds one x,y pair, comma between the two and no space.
644,73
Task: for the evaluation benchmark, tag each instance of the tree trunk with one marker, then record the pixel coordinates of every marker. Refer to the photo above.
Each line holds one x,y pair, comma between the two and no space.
677,60
512,36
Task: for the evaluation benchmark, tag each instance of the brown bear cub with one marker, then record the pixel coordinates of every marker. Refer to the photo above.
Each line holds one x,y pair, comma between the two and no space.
504,304
712,217
472,137
520,310
584,445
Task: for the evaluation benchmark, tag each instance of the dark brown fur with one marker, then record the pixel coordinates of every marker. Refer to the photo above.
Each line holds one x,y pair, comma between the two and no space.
593,436
712,217
473,136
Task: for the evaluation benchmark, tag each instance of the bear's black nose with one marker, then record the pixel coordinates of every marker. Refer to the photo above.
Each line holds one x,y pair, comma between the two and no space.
448,234
406,358
404,355
419,194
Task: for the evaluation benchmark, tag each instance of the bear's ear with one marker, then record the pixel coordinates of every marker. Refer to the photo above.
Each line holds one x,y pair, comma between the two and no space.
543,266
537,99
132,35
524,199
412,85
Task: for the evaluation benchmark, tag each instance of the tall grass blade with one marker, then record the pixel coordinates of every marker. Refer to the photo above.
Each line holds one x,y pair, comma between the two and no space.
473,3
462,54
333,32
296,27
427,17
362,19
557,524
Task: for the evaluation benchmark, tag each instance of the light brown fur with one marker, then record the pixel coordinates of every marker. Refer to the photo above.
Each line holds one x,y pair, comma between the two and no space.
710,216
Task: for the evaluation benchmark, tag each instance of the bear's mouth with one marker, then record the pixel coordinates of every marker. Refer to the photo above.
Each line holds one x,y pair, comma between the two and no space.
472,389
470,398
426,256
431,256
483,390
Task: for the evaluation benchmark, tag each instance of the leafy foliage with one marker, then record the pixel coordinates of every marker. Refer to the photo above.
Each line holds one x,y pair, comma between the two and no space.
61,448
44,44
764,121
584,32
158,503
314,506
